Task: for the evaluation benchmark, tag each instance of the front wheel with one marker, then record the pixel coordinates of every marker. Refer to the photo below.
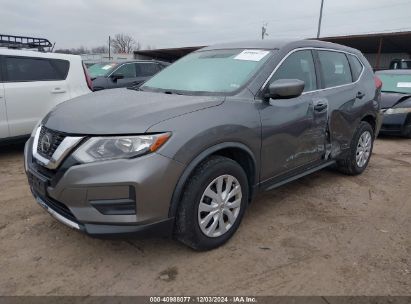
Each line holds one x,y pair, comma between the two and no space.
213,204
360,152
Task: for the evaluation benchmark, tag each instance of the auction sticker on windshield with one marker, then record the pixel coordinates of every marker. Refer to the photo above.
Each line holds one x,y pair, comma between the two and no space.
106,67
404,85
251,55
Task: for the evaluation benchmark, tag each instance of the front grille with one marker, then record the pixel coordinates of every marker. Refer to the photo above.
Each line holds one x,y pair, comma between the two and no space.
38,167
54,139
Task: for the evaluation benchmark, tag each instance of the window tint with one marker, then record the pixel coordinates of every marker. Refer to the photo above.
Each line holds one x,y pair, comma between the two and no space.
146,69
35,69
299,65
127,70
356,67
335,68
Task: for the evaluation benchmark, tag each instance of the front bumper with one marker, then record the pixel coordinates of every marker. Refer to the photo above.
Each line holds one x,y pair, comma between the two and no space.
111,198
396,124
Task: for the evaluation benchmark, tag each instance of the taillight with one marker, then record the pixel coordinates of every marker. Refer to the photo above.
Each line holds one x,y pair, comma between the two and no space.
378,82
88,78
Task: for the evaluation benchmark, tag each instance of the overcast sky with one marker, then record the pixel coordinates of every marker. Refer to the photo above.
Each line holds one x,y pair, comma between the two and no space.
175,23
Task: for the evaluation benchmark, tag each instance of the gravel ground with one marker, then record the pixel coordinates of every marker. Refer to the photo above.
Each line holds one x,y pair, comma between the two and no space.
325,234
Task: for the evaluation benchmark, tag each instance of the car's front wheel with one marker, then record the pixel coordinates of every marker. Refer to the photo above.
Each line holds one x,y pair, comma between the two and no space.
213,204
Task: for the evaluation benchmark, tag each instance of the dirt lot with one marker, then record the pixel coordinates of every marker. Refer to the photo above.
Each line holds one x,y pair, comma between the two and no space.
324,234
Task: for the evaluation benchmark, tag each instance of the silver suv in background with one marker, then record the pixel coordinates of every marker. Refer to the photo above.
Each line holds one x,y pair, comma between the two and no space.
124,74
185,153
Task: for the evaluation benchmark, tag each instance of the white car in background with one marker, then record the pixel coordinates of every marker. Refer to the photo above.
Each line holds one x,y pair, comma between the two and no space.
32,83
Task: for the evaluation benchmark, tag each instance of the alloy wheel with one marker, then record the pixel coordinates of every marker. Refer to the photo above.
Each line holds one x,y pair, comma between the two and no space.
363,149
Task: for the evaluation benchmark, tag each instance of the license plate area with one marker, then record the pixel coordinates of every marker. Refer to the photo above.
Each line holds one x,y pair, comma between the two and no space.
38,184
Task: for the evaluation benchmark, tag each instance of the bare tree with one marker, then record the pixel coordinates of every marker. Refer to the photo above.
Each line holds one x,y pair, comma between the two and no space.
123,43
100,49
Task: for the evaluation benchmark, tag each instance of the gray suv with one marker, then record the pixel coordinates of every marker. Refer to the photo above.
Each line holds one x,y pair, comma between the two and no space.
185,153
123,74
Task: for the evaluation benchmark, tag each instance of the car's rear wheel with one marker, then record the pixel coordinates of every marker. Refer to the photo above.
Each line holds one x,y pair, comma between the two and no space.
360,152
213,204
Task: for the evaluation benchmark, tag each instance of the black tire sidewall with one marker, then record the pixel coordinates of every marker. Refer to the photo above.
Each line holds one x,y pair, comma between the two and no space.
363,127
208,171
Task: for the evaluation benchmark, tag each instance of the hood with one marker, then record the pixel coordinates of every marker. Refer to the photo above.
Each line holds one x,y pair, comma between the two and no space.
122,111
389,100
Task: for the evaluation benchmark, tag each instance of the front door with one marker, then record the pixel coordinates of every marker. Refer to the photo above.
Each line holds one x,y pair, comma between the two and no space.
293,130
128,73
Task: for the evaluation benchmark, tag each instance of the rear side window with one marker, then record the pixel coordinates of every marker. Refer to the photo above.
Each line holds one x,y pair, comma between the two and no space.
35,69
356,67
146,69
335,68
299,65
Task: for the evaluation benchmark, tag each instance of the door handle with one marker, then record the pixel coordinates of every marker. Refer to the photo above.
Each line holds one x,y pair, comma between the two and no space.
360,95
58,91
321,106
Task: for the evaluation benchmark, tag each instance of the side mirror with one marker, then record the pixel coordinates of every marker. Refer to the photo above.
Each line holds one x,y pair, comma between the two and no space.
285,88
116,77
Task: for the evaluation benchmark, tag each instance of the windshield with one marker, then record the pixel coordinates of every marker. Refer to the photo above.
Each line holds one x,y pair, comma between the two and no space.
101,69
215,71
399,83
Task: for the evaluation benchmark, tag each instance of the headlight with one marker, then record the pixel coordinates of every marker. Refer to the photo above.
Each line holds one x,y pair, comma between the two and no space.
107,148
397,111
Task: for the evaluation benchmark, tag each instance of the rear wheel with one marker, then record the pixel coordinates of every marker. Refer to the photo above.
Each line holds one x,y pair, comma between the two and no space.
213,204
360,151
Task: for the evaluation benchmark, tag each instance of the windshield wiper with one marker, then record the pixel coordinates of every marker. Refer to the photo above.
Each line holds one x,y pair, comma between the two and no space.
172,92
394,92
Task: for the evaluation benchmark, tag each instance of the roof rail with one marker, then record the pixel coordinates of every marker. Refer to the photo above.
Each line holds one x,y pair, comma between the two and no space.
22,42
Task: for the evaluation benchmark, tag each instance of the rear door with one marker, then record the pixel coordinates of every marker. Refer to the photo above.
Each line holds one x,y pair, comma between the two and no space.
293,130
4,127
344,95
33,86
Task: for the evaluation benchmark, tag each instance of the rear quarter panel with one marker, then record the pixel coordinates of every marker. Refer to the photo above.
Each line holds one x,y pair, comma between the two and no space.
346,110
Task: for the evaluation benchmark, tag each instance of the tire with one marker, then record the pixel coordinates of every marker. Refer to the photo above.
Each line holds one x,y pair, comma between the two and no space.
408,132
351,165
207,175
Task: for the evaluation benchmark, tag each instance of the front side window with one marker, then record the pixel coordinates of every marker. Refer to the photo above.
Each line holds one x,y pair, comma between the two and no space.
128,70
209,72
299,65
335,68
35,69
146,69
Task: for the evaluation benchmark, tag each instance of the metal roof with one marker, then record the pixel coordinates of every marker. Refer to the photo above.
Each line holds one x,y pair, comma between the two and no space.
395,42
170,54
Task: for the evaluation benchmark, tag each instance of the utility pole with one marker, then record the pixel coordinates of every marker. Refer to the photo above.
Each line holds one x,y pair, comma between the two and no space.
264,31
109,48
320,19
